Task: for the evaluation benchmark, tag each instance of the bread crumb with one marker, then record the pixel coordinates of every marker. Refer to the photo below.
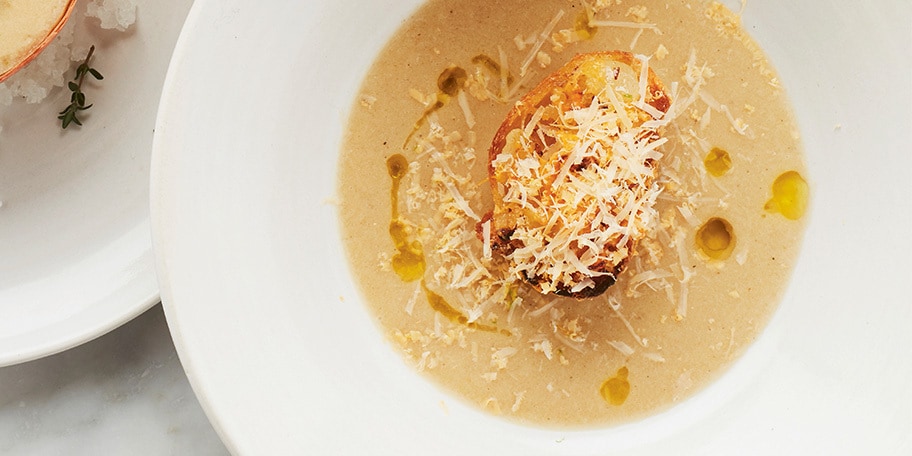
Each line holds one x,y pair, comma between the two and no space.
492,405
367,101
519,399
638,13
661,52
519,42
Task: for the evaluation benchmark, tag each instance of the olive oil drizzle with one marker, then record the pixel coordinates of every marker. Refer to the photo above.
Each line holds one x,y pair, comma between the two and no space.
718,162
444,308
790,196
616,389
716,238
491,65
408,262
581,25
449,83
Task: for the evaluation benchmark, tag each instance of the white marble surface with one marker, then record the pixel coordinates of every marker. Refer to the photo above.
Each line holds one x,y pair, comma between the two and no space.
122,394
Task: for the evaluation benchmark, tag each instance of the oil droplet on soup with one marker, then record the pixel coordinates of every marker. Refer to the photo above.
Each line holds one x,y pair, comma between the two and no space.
616,389
492,66
449,83
441,306
716,238
790,196
408,262
717,162
582,28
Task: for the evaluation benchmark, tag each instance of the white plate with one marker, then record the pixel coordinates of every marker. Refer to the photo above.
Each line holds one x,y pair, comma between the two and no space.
74,224
252,267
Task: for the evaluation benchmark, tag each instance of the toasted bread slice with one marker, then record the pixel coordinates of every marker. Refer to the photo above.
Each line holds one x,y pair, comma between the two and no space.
573,173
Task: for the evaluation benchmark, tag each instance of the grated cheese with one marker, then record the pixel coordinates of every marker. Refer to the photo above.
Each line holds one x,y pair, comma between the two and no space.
625,349
486,239
615,305
466,109
519,399
587,210
539,42
652,356
623,24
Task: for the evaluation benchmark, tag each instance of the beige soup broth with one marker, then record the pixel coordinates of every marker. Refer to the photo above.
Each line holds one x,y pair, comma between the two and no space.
696,292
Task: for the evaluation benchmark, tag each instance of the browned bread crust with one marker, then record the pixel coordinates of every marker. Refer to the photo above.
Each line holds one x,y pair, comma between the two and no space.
578,85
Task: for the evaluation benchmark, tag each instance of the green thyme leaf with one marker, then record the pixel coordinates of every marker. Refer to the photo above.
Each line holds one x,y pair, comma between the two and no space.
78,98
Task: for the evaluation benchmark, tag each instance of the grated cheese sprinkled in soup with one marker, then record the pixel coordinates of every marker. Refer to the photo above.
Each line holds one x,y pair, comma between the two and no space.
680,313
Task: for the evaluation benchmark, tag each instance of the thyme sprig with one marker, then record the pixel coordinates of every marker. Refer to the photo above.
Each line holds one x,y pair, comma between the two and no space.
78,99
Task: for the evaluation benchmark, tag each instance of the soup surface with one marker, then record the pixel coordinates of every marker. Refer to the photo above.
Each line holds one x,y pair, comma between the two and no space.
24,24
699,288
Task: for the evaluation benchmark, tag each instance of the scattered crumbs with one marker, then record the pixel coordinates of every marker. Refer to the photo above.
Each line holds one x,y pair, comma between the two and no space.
749,108
436,51
837,127
492,405
519,42
383,262
654,357
661,52
638,13
560,440
683,384
341,298
542,344
423,361
543,59
367,100
443,406
417,95
734,294
741,257
518,401
727,22
489,376
711,320
410,305
500,357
